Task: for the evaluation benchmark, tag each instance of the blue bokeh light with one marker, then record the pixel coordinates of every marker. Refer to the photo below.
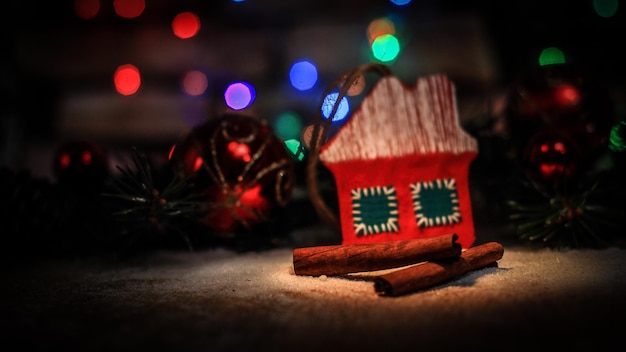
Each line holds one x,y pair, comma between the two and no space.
303,75
400,2
342,110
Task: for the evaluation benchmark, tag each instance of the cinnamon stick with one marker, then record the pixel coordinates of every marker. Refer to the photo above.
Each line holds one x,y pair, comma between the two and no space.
352,258
428,274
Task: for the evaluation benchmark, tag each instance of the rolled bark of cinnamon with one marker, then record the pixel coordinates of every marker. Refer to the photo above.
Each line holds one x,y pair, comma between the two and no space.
353,258
431,273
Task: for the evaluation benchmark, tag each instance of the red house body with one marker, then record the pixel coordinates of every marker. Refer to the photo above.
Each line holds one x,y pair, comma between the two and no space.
401,165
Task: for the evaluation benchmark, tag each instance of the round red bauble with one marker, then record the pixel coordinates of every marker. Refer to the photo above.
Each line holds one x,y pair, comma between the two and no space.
242,168
551,157
561,97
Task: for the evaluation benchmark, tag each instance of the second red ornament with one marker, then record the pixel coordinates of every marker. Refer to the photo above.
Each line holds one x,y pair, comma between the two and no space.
240,165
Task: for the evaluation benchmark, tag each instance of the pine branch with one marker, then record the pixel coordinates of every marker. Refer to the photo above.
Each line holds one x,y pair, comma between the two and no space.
152,210
557,219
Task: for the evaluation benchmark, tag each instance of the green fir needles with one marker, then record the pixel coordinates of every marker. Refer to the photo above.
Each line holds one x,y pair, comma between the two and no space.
588,218
149,209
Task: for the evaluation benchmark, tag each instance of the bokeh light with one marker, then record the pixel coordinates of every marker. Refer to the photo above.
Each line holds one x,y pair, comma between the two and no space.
186,25
567,95
551,56
129,8
617,139
239,95
127,79
386,48
303,75
400,2
378,27
195,83
307,135
86,9
342,110
287,125
356,87
605,8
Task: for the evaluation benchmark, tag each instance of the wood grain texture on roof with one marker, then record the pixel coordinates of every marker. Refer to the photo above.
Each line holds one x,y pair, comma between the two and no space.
397,120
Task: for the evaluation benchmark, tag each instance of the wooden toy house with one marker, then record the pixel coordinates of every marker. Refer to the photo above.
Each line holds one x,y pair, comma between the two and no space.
401,164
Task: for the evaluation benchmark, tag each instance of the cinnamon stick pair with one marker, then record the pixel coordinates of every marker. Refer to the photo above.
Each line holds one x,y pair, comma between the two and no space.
436,259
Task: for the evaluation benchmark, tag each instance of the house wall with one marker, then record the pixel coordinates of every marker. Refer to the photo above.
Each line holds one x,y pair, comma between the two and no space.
401,173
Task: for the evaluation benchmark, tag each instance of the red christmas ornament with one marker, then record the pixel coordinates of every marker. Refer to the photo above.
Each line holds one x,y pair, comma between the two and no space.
240,165
560,97
81,165
551,157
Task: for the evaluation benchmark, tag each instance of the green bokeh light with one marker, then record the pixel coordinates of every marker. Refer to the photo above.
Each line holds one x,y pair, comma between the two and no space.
287,125
386,48
605,8
617,139
551,56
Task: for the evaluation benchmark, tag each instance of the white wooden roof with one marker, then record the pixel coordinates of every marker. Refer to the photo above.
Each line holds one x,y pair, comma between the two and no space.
397,120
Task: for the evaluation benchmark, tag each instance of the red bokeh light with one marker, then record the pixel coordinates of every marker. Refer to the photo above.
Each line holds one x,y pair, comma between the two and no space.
186,25
85,157
567,95
195,83
127,79
86,9
64,160
129,8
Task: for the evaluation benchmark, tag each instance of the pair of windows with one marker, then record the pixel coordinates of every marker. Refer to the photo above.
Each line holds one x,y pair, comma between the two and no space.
375,209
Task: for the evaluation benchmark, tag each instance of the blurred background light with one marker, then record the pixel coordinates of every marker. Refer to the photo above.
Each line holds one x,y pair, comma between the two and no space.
342,110
378,27
129,8
86,9
385,48
551,56
186,25
605,8
287,125
303,75
567,95
127,79
400,2
239,95
195,83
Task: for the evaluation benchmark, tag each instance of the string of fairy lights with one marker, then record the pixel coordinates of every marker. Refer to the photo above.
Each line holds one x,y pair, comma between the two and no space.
385,46
303,75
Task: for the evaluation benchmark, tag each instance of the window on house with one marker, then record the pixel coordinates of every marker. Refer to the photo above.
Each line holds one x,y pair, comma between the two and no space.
435,202
374,210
